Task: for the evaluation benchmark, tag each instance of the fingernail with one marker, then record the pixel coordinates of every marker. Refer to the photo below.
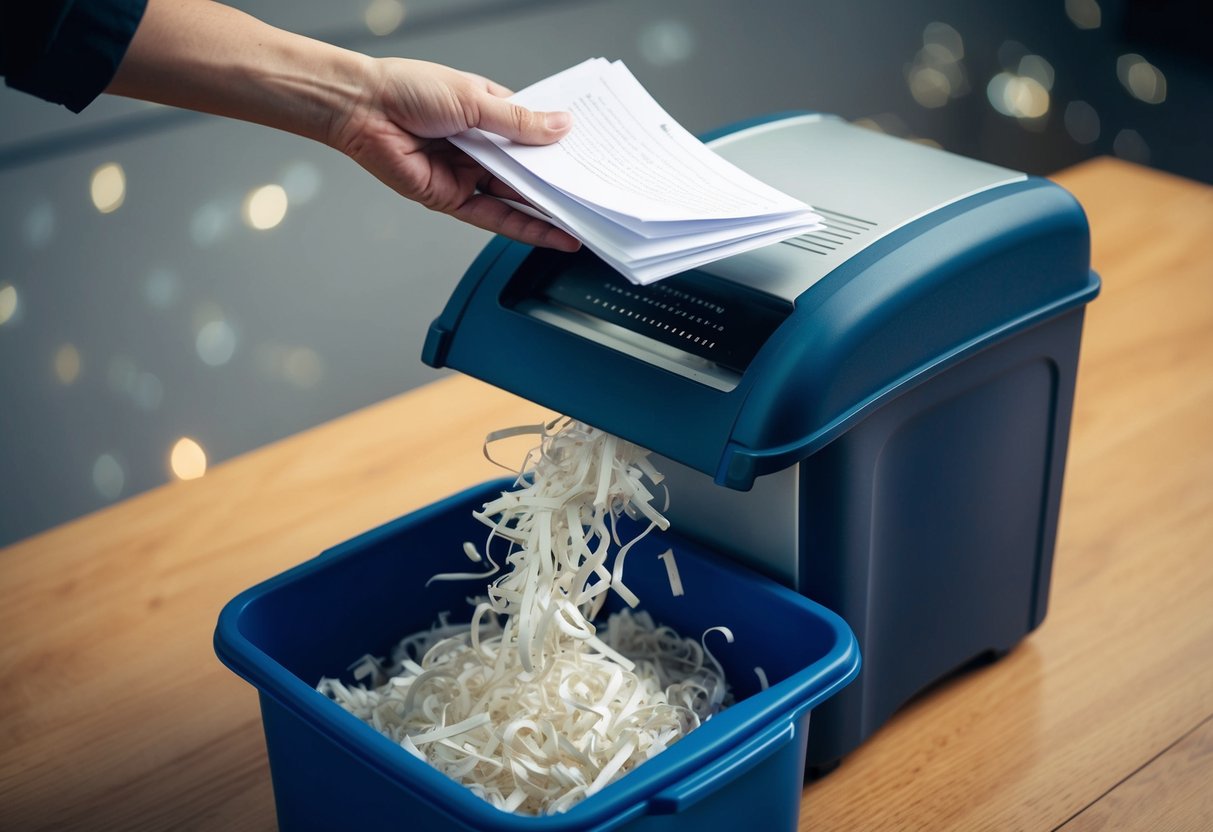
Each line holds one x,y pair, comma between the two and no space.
558,121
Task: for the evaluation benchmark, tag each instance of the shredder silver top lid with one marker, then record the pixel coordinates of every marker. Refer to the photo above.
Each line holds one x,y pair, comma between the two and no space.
864,184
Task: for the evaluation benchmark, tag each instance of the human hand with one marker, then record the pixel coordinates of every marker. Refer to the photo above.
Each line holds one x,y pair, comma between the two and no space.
398,131
391,115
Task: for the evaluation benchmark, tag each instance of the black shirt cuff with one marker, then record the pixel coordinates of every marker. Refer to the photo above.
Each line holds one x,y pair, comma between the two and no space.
82,56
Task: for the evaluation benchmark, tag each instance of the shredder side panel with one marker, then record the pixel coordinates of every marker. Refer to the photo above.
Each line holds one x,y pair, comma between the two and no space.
929,527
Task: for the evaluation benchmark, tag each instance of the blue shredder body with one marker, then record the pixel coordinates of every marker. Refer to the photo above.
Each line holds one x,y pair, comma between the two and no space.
875,414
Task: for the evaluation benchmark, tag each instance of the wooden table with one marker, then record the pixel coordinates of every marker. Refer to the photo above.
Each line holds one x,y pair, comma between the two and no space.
115,714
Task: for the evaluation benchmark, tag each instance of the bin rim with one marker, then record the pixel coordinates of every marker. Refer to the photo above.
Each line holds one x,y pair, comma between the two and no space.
786,701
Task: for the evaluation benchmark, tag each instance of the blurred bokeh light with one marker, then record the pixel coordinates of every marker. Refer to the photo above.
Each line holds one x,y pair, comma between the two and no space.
254,284
187,459
1142,79
108,476
1085,14
265,207
67,364
107,187
1082,122
666,42
8,303
384,16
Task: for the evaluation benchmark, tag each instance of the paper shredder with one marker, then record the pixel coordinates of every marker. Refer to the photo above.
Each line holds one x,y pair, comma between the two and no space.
876,414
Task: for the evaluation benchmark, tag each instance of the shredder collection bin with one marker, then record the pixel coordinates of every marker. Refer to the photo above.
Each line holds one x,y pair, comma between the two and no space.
741,769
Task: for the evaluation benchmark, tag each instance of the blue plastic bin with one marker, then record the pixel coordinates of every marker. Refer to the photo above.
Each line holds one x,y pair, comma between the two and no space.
741,770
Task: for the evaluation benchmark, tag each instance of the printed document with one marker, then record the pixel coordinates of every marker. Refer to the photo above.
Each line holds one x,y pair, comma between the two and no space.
631,183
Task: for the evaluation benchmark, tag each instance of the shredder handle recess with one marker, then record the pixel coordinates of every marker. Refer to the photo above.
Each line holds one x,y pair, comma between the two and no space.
686,793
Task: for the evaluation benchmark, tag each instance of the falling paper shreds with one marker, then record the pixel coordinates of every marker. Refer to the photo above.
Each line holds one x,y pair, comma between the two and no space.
531,705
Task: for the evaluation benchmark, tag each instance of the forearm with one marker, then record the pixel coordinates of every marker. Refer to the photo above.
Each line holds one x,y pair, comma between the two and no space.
205,56
385,114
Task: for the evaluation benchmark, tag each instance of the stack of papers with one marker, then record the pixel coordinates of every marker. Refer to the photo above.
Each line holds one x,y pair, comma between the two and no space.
629,182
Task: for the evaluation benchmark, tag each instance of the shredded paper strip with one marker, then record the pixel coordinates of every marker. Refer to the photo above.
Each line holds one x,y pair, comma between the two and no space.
531,705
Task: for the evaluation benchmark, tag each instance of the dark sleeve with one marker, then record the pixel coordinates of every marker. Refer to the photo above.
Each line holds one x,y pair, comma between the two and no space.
65,51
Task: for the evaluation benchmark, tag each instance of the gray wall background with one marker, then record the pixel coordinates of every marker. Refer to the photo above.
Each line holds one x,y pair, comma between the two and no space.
122,332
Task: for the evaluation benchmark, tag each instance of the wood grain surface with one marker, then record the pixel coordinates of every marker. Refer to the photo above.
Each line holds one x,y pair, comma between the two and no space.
1171,792
115,714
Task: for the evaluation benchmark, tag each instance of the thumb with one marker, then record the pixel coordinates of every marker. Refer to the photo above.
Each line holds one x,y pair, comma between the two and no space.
517,123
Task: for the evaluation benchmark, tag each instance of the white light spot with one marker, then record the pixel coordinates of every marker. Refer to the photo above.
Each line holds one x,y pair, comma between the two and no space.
1038,69
1082,122
945,36
8,302
67,364
940,57
384,16
1018,96
40,224
1142,79
108,476
108,187
148,392
996,91
937,74
187,459
929,86
301,181
162,288
666,42
265,207
1085,14
1129,145
1147,82
216,343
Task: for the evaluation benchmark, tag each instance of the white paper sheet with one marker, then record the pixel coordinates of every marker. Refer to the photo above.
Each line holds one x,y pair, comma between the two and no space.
631,183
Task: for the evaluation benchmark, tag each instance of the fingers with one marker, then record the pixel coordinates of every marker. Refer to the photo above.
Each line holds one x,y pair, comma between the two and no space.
489,84
497,89
493,186
493,215
497,115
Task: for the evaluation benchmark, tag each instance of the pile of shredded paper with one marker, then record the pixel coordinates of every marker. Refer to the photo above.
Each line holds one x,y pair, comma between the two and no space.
530,705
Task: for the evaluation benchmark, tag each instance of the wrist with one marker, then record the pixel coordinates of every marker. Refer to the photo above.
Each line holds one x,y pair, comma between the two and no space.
351,98
309,87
